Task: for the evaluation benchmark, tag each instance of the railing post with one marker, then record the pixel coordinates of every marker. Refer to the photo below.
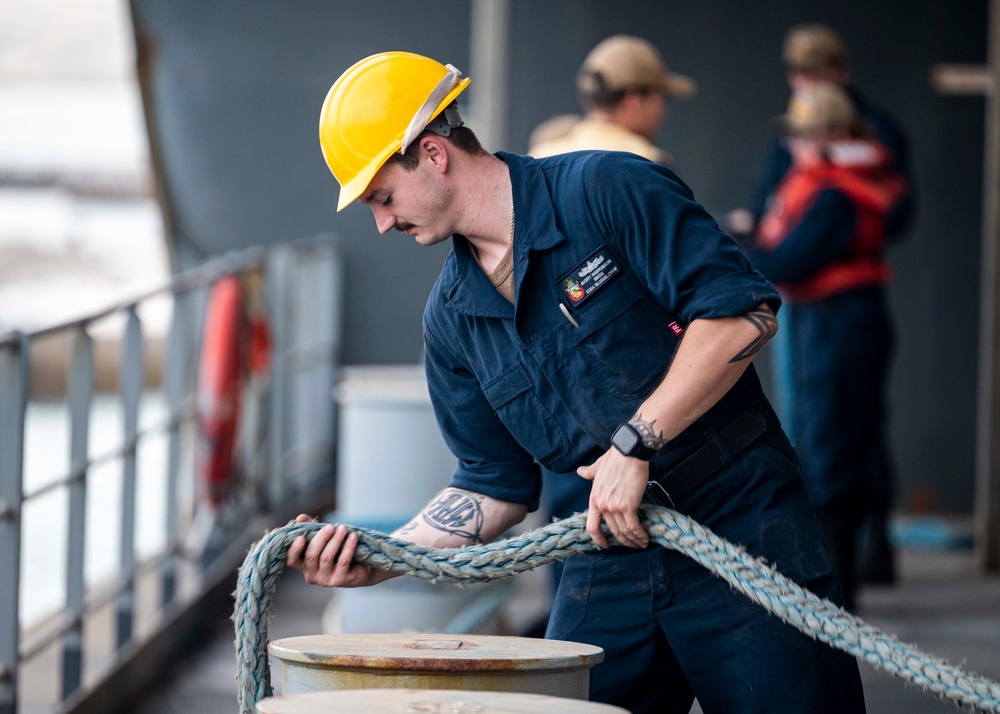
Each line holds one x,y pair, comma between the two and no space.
13,404
313,336
81,387
278,288
175,384
131,389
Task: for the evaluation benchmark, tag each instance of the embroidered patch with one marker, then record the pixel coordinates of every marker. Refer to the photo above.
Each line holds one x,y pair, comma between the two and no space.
587,277
676,328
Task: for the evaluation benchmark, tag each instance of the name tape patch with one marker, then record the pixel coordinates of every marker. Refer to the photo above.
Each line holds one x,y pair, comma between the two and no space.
588,277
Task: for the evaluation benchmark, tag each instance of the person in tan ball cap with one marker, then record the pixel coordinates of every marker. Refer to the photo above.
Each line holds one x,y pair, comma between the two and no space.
624,88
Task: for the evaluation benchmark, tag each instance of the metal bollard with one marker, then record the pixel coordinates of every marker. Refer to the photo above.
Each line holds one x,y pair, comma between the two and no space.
393,701
421,661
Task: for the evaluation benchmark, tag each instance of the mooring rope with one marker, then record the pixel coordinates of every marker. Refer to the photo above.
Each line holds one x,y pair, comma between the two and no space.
753,577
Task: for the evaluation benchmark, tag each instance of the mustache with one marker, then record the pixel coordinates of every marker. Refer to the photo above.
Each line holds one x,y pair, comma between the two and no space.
403,227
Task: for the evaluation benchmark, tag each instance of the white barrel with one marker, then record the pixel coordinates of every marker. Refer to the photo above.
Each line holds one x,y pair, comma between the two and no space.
391,461
391,456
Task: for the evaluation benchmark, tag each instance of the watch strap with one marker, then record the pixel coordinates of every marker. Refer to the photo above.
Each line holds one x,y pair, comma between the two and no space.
639,450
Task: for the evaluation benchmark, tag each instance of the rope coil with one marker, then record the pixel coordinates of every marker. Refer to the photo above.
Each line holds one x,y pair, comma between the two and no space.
753,577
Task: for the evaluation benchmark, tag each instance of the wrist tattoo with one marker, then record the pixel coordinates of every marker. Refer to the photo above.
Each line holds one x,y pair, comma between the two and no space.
766,323
456,512
651,437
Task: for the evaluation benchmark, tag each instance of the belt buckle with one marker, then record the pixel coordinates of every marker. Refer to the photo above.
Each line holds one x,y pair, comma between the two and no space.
652,493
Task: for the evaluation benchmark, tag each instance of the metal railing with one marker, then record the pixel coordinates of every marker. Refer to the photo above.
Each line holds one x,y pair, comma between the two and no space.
287,449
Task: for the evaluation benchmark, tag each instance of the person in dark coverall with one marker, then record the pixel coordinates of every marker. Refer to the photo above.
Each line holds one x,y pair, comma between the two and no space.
814,53
591,316
822,242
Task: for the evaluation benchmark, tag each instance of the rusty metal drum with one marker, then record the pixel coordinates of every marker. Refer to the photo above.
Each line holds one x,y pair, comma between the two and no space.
421,661
440,701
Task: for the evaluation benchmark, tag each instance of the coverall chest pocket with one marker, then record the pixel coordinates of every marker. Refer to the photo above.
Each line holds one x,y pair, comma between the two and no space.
513,398
624,333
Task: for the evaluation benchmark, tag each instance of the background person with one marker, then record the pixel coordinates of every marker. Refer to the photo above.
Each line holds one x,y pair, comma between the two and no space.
624,88
822,243
814,54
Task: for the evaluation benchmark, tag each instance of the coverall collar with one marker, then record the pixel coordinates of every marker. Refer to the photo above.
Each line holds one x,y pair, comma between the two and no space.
534,229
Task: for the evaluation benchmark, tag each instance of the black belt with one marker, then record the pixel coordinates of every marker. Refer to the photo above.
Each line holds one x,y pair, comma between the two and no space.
737,435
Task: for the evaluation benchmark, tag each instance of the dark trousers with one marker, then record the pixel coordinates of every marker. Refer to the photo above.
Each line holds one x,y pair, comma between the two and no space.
842,349
671,631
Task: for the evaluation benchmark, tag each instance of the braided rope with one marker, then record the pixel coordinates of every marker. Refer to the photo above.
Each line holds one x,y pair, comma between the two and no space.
753,577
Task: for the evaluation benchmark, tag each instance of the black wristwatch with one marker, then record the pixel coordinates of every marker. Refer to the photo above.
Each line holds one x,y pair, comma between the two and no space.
628,441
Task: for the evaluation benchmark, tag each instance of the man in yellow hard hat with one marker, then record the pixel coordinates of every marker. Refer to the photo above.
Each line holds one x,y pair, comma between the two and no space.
591,317
624,87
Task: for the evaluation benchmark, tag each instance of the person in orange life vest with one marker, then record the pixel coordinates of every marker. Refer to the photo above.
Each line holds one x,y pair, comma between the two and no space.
816,54
813,53
822,244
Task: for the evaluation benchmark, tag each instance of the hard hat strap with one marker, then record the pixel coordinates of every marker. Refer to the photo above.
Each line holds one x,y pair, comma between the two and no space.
447,120
425,113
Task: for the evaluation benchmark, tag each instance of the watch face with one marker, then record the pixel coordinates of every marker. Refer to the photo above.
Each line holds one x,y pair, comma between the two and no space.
625,439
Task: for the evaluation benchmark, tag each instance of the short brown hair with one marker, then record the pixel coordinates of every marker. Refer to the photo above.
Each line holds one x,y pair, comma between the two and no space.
462,137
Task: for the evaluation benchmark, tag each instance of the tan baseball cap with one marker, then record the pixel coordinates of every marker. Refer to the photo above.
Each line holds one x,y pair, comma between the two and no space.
810,46
821,109
625,62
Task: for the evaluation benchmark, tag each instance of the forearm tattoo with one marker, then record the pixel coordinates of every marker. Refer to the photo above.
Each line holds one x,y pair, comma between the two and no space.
456,512
766,323
650,435
408,528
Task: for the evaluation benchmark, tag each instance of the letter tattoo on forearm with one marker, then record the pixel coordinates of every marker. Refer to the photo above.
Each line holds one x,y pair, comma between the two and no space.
766,323
647,431
458,513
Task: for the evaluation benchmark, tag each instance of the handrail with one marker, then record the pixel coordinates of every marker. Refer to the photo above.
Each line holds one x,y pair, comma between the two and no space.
107,594
108,456
274,463
192,279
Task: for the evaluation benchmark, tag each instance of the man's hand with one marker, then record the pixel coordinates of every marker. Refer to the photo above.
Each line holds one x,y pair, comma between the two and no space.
619,483
327,559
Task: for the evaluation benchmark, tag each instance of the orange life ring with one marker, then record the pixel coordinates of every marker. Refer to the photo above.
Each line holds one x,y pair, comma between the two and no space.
220,386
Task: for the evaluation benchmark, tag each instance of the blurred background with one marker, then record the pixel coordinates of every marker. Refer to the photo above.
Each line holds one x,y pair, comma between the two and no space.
140,139
231,100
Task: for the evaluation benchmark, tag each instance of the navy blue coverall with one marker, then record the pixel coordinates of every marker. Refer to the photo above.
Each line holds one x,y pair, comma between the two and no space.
623,246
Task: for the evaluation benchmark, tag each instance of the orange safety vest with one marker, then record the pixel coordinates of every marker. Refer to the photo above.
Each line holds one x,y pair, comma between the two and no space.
858,170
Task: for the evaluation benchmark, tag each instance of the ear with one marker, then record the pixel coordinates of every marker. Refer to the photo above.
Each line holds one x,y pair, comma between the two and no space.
631,102
435,150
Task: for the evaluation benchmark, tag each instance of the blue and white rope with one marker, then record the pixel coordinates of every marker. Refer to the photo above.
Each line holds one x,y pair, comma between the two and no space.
751,576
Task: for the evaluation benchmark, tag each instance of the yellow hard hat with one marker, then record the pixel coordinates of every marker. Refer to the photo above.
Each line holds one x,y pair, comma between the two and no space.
377,107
